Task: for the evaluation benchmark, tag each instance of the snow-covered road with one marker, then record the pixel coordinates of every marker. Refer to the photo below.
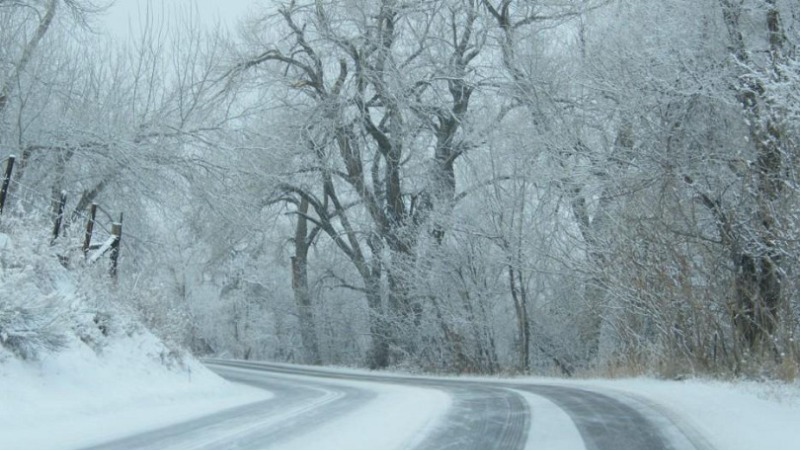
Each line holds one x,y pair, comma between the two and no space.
316,408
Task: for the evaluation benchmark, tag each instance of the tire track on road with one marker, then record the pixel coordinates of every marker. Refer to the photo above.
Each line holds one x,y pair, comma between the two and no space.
295,408
603,422
481,417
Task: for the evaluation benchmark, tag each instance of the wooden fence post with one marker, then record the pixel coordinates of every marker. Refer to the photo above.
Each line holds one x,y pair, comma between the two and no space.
90,225
59,216
6,181
116,232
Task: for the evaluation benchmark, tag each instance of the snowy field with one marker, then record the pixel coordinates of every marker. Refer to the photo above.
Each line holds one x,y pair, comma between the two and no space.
77,399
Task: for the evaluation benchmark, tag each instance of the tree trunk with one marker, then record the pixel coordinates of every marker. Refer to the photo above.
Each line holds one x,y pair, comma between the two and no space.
404,314
521,314
27,53
300,285
379,351
757,293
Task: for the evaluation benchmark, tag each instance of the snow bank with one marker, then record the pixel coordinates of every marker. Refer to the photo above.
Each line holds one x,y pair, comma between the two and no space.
76,369
77,398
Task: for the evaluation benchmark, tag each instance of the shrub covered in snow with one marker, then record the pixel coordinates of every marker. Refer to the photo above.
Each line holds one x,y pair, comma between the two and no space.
32,309
51,299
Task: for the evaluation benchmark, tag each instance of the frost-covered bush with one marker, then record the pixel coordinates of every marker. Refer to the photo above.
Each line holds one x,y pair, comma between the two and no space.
51,299
33,303
27,332
43,303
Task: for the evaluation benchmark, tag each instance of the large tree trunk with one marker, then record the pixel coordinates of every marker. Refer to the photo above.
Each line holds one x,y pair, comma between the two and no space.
300,285
594,288
379,351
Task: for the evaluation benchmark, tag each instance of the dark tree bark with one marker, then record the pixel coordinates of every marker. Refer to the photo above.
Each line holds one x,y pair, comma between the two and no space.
300,285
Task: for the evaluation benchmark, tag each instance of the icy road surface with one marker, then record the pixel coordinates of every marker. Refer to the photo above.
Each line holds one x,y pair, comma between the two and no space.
317,408
326,409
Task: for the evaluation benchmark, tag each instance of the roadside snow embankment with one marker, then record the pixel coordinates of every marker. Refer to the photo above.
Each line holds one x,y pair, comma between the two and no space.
77,398
75,370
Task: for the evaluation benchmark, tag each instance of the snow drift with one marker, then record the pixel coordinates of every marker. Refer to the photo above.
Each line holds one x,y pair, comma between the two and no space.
78,367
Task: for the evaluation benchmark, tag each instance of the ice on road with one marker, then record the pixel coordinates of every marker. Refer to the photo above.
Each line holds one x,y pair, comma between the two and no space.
296,407
314,408
306,413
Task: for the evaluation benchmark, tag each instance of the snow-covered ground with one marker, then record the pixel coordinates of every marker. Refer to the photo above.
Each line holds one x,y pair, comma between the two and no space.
78,399
728,415
722,415
76,368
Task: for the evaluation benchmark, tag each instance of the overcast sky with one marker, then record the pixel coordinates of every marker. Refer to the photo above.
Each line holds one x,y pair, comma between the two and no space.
124,14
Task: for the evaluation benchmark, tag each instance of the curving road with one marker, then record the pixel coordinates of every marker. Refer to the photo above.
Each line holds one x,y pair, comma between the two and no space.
482,415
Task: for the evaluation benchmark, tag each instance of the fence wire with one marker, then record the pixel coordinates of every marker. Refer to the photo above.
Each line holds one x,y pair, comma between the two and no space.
31,193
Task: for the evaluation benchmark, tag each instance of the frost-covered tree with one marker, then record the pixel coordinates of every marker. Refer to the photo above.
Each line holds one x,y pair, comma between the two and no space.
385,89
699,214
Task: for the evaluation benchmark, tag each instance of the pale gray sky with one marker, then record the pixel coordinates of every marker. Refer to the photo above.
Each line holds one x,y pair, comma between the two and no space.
126,14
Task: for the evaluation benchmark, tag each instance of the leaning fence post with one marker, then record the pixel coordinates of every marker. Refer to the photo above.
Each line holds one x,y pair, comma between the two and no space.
6,181
90,225
59,216
116,232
